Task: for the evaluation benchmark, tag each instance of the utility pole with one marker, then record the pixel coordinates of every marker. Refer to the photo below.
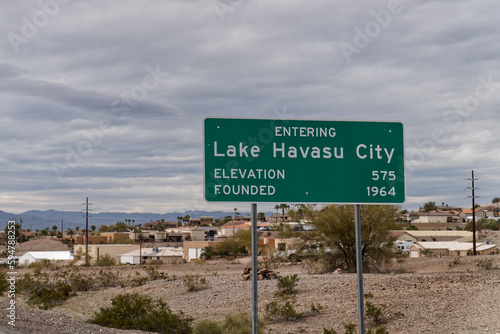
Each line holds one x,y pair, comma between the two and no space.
20,230
87,231
473,213
62,226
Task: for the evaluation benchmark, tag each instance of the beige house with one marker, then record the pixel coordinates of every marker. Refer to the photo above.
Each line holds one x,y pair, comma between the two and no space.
425,235
437,217
447,248
160,254
192,249
112,237
466,214
96,251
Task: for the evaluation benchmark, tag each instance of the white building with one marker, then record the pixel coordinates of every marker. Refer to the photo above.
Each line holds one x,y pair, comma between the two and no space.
163,254
52,256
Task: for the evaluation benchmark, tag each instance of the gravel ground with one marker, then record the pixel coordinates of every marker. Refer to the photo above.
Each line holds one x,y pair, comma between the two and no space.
431,295
434,298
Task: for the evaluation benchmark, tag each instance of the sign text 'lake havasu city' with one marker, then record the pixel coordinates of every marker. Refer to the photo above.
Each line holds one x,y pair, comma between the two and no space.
303,161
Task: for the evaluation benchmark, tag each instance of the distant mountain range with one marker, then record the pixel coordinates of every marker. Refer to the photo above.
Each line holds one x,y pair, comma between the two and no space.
38,220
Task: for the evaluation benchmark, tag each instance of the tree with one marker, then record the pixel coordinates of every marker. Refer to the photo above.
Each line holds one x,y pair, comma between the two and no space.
92,227
70,232
284,206
430,206
495,200
17,229
335,235
54,228
208,252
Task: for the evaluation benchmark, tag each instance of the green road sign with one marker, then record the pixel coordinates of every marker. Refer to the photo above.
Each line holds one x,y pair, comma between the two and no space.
303,161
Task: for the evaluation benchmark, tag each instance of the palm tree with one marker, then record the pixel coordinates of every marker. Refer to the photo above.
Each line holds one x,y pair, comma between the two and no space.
277,207
235,209
284,206
70,233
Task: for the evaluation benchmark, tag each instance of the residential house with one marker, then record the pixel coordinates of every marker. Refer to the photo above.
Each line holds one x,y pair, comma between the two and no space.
437,217
160,254
113,250
193,249
438,235
447,248
466,214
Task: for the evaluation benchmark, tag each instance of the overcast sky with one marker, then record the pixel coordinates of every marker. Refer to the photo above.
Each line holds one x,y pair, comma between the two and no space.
106,98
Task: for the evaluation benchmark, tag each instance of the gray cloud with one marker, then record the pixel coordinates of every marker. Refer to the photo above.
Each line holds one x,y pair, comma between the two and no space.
82,115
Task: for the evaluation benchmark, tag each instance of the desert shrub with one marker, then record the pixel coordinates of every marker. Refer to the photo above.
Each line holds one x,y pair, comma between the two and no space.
106,260
284,309
427,252
380,330
138,280
154,274
240,323
108,279
135,311
81,282
316,308
329,331
313,267
44,293
207,326
4,284
377,314
195,283
455,261
487,264
286,285
350,328
39,264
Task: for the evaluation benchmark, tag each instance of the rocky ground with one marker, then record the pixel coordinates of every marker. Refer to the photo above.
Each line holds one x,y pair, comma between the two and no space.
429,295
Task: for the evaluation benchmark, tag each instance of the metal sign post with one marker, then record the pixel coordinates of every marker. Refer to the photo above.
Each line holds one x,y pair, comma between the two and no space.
255,304
359,268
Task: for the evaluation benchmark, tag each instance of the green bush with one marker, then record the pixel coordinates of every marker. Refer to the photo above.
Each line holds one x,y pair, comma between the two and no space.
207,327
134,311
240,323
350,328
4,284
106,260
329,331
377,314
286,285
284,309
81,282
195,283
108,279
487,264
39,264
154,274
45,293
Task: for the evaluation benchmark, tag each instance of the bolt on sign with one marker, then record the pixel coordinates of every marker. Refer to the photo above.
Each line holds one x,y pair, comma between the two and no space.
307,161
